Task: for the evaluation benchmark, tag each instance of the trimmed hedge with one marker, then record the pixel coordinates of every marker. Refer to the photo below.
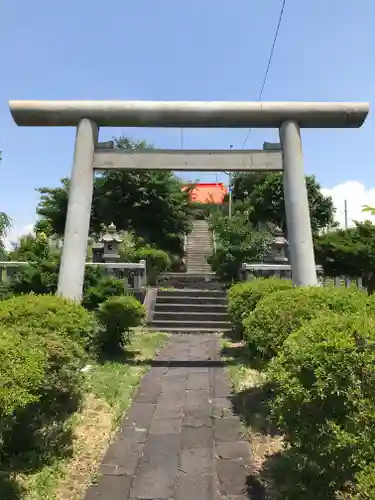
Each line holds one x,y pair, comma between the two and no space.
106,287
325,403
22,371
117,315
243,297
42,351
157,261
277,315
44,314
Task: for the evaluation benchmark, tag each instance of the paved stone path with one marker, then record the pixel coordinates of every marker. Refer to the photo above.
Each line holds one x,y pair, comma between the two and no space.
180,440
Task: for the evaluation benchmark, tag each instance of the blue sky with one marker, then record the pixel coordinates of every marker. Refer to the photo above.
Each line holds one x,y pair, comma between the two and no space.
167,49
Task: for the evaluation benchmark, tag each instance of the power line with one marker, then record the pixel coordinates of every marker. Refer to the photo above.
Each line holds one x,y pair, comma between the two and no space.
269,63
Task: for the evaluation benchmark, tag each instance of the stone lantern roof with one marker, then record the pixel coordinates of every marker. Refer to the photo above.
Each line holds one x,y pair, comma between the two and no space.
111,236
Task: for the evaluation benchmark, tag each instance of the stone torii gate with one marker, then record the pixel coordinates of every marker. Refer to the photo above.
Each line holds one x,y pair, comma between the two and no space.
89,155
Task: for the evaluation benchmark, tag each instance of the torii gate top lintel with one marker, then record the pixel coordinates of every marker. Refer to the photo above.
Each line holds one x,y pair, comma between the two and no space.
190,114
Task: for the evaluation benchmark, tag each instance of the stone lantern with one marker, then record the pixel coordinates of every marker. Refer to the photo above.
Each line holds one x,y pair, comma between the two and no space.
111,240
279,248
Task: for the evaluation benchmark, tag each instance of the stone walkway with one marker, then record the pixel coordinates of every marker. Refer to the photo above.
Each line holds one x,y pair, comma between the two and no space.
180,440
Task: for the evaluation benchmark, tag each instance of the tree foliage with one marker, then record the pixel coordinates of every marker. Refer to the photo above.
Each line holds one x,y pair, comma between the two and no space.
349,252
41,274
5,224
262,194
237,242
149,202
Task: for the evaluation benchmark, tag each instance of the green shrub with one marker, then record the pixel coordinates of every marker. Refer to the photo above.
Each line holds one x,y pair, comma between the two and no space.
38,277
22,370
244,296
93,275
41,274
40,378
44,314
106,287
157,261
40,426
280,313
118,315
236,242
176,263
364,486
325,399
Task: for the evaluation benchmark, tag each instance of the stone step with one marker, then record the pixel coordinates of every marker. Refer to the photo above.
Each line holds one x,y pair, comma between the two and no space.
189,316
198,266
195,307
200,234
201,260
192,292
205,235
192,331
162,325
198,252
199,240
198,256
198,263
199,270
185,299
195,262
200,237
199,243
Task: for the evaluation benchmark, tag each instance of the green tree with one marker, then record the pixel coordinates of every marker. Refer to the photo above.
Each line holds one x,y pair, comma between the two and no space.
262,194
151,203
349,252
5,224
31,248
236,242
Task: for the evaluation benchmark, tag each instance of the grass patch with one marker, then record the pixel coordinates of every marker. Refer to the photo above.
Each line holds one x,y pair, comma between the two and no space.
111,384
251,393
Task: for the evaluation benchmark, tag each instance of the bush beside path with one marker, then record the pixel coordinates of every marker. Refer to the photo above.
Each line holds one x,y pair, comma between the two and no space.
304,384
66,378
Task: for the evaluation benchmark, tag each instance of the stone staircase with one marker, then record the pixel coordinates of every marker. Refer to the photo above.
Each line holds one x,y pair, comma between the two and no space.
192,302
191,311
199,246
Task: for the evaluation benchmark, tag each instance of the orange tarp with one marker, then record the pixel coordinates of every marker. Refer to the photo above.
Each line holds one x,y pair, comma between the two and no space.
208,193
